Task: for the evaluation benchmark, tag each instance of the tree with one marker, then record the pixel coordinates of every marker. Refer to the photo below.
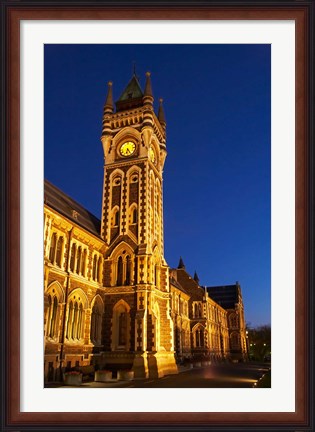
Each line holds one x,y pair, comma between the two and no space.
259,339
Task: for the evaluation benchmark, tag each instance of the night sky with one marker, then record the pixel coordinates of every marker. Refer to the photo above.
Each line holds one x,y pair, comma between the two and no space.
217,172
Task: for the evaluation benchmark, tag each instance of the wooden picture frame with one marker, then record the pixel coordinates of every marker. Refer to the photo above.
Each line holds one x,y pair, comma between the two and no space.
302,13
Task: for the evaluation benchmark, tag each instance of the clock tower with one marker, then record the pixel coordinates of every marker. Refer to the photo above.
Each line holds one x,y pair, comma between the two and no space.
137,328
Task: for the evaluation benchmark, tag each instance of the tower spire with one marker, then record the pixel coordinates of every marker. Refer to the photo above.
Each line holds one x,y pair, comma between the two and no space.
109,104
181,264
148,95
161,115
196,278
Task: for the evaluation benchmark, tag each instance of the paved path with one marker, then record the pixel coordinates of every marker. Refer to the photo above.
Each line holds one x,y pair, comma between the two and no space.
239,375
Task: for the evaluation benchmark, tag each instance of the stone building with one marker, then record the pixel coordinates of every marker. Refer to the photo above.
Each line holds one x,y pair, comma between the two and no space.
109,296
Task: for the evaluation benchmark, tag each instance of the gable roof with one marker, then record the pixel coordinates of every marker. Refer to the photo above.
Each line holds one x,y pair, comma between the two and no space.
68,207
189,285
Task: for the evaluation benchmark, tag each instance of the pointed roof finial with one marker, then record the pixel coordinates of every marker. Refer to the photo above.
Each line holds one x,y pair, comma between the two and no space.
181,264
109,104
148,87
196,278
161,115
148,95
134,68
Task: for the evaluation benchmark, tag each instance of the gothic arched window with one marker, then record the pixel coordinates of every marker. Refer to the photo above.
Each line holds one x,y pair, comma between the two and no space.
52,251
120,271
72,257
59,251
52,314
99,269
122,328
69,321
196,310
79,322
94,267
96,324
83,262
128,270
199,310
75,321
199,338
79,254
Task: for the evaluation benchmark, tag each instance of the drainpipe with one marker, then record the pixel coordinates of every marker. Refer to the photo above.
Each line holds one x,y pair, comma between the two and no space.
65,307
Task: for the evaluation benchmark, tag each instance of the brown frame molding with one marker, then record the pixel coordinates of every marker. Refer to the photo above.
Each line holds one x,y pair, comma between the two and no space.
302,13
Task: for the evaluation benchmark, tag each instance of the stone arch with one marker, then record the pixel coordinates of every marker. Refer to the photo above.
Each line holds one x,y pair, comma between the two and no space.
55,285
125,134
97,299
155,143
133,170
119,249
121,326
79,292
54,299
199,335
117,173
75,316
97,310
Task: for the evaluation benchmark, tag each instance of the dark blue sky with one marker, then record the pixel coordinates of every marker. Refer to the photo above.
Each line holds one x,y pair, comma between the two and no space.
217,172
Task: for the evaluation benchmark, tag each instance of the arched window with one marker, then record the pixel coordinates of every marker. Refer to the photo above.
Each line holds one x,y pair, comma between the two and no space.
128,270
136,271
122,328
196,310
199,310
199,338
176,304
79,259
52,314
119,271
235,341
99,269
69,321
115,217
96,324
83,262
134,216
59,251
52,251
79,322
75,321
75,317
94,267
72,258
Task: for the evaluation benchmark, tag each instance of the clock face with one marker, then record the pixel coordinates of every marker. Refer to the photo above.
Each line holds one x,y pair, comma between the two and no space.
152,155
127,149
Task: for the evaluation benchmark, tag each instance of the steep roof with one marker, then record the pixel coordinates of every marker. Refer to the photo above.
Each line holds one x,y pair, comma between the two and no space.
189,284
176,284
226,296
68,207
131,97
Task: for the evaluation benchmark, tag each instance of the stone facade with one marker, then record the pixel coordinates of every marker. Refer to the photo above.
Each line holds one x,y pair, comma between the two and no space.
110,298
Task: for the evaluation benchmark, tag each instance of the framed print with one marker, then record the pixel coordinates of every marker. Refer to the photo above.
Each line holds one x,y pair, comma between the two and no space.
109,306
